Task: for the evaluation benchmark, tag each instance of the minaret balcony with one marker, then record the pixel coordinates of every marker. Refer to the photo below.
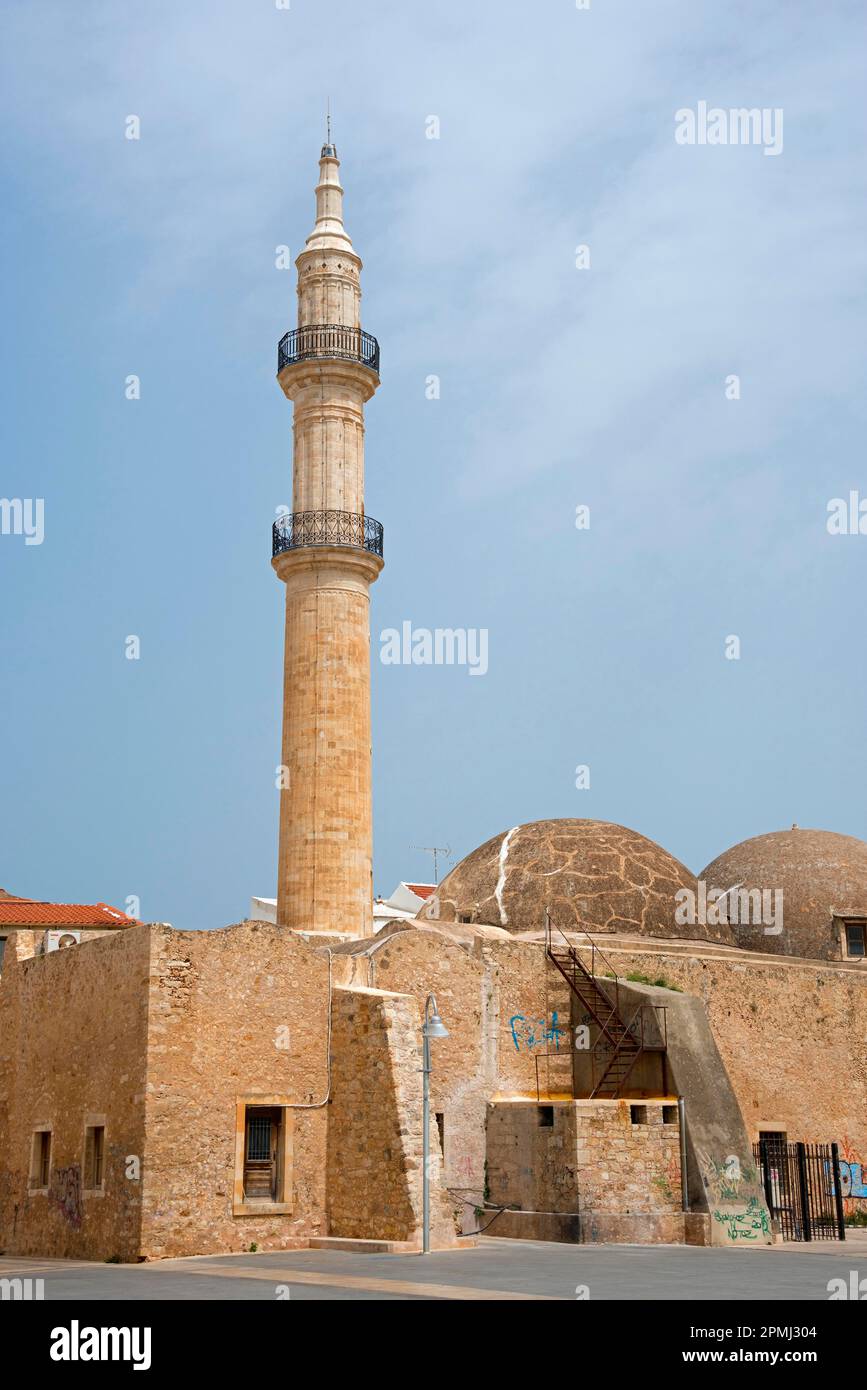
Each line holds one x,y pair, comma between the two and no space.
328,340
298,529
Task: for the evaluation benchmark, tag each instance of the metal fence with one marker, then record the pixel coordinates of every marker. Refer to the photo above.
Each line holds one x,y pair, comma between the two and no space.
802,1188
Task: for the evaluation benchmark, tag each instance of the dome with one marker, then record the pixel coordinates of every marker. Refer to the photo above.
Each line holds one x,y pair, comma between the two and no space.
821,877
602,877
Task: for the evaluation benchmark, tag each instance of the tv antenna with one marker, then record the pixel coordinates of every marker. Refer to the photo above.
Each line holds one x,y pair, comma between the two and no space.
435,850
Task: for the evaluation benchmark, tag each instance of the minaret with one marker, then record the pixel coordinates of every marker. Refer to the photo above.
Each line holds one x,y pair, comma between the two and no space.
327,553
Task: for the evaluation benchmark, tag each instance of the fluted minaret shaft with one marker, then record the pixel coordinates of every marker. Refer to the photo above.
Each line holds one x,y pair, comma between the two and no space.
325,856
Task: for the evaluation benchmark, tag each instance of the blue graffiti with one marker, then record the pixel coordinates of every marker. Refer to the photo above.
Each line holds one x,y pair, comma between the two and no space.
852,1182
535,1032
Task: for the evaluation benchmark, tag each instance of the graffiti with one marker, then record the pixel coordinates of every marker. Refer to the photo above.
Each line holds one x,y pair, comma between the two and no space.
465,1167
747,1224
852,1183
852,1176
723,1179
535,1032
65,1193
853,1179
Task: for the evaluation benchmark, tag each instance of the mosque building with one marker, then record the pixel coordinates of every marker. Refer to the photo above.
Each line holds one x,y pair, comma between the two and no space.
633,1052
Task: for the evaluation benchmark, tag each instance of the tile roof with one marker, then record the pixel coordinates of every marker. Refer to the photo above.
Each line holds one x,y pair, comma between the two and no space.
27,912
421,890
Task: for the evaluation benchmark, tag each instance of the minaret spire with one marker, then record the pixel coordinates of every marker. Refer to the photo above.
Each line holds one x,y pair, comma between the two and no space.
327,552
329,231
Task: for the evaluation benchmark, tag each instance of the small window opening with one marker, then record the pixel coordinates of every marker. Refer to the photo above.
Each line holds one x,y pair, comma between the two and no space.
669,1115
856,939
441,1126
546,1116
40,1158
638,1114
94,1150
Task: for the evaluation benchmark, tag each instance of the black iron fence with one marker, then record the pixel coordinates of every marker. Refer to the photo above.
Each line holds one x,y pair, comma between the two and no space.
802,1188
326,528
328,340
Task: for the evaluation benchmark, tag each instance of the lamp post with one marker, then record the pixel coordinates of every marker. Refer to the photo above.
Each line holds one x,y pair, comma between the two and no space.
433,1028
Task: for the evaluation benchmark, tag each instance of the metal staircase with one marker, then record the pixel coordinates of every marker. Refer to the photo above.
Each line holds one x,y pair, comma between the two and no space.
623,1042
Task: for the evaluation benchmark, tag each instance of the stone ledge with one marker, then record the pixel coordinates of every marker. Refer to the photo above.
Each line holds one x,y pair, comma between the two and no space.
384,1247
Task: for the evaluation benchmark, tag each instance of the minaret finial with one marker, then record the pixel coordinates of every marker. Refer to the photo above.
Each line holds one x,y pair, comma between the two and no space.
328,117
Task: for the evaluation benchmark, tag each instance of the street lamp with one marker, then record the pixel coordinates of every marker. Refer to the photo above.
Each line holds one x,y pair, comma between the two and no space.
433,1028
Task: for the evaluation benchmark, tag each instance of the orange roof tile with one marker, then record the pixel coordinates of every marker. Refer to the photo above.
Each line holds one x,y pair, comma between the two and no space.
421,890
27,912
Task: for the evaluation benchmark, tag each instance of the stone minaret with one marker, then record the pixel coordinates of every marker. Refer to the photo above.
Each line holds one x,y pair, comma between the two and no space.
327,553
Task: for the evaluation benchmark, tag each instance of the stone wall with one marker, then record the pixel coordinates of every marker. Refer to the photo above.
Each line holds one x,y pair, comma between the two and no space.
375,1124
72,1048
790,1033
234,1014
163,1036
498,1006
585,1162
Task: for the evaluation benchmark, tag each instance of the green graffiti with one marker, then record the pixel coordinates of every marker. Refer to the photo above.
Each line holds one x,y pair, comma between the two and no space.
748,1224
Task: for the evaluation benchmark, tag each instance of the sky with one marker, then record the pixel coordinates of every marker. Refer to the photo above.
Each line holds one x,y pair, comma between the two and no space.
698,386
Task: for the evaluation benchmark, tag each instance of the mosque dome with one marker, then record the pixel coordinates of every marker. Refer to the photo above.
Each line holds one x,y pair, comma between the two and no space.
822,877
592,874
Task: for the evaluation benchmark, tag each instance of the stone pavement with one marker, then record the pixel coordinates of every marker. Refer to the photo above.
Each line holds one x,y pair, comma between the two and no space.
496,1270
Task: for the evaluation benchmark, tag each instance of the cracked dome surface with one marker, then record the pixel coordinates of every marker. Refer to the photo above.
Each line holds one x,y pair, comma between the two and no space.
592,874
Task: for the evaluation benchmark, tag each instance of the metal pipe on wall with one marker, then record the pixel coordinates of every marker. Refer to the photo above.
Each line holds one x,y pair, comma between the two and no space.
684,1181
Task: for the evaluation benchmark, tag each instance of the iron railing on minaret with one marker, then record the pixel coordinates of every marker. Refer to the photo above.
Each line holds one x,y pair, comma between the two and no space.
329,340
298,529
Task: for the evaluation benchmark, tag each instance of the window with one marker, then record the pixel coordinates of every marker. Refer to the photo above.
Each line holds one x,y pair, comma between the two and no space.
546,1116
669,1115
441,1126
638,1114
2,949
774,1138
40,1158
94,1150
261,1154
856,939
264,1145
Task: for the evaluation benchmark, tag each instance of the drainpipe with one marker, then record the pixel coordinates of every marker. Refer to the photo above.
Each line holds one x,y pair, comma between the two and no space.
684,1184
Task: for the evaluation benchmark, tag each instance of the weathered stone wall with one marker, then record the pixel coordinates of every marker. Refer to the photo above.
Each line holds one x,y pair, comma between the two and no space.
791,1033
498,1006
375,1148
237,1013
72,1046
591,1158
164,1033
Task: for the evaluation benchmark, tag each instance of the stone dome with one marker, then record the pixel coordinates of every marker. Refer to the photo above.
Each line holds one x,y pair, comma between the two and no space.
821,875
592,874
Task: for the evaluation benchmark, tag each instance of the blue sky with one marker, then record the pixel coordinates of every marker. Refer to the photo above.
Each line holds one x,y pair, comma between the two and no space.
559,387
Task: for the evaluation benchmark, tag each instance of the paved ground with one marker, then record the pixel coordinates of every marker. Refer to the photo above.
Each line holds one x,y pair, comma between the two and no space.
497,1269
